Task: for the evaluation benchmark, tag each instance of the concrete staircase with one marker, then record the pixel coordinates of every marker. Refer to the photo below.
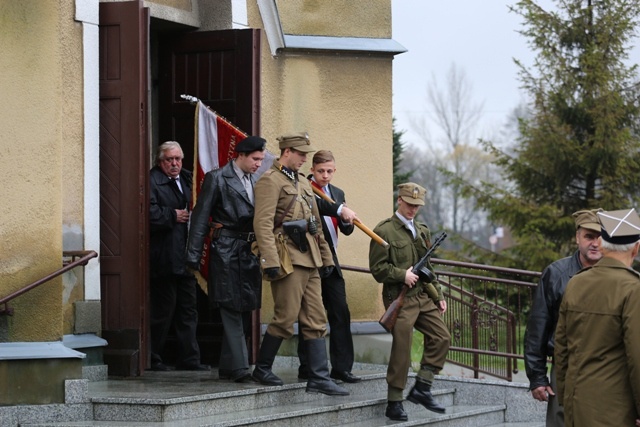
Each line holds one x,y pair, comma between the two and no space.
180,399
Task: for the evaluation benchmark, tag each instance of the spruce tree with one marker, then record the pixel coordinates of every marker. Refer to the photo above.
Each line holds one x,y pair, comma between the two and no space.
579,146
398,149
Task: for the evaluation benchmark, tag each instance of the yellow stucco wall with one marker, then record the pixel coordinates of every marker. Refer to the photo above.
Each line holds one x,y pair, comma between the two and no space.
41,127
337,18
344,102
72,105
178,4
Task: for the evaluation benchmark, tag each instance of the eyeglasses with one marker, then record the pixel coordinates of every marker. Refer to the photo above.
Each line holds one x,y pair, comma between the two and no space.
172,159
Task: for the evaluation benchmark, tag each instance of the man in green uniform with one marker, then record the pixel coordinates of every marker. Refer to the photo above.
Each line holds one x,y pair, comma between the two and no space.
597,346
292,250
408,241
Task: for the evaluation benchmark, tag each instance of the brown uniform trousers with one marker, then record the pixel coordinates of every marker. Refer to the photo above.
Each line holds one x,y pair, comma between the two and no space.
419,311
297,296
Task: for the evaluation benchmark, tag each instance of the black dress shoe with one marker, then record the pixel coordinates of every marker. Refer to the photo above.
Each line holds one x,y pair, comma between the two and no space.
193,367
160,367
395,411
345,376
242,377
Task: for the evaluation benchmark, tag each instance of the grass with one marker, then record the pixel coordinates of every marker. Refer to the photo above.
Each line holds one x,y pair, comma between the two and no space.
416,352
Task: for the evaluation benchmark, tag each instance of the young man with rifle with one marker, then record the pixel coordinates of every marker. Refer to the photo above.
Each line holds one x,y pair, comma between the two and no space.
422,308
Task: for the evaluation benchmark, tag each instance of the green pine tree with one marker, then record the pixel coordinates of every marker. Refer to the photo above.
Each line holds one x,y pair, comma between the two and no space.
398,149
579,145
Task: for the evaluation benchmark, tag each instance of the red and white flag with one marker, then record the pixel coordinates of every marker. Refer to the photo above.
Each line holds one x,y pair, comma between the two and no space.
215,140
214,146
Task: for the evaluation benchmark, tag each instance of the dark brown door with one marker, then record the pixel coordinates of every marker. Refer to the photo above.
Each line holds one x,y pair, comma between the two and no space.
221,68
124,169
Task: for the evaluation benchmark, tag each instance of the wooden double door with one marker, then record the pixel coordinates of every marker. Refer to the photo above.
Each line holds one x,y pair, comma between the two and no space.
222,69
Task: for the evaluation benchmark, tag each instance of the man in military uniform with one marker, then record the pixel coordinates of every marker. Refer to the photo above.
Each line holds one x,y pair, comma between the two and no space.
292,250
234,279
541,325
597,345
409,240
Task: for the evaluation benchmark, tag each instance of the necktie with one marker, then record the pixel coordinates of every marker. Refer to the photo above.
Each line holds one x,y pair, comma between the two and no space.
176,181
334,220
246,180
412,228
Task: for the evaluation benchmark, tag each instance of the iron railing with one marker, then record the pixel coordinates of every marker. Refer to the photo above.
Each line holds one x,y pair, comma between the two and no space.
83,258
486,314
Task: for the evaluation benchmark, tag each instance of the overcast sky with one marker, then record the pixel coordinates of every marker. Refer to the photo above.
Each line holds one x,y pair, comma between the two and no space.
479,36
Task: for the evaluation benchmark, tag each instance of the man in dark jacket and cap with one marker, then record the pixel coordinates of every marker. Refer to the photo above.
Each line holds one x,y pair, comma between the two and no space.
234,276
541,325
173,287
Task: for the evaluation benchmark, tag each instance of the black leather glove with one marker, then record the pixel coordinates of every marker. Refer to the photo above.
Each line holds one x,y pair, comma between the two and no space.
193,266
326,271
272,272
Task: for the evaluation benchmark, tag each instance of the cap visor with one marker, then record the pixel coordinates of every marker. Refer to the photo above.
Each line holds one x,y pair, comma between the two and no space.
412,201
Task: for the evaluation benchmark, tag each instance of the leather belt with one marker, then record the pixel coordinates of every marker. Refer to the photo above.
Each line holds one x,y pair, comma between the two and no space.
247,236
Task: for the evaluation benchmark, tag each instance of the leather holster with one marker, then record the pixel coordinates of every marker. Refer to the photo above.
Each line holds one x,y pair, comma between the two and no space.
297,232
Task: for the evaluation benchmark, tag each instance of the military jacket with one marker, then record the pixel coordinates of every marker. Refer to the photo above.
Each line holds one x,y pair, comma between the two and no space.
274,192
389,265
597,346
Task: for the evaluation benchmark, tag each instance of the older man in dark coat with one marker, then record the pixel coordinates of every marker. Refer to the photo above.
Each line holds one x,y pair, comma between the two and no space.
173,287
234,280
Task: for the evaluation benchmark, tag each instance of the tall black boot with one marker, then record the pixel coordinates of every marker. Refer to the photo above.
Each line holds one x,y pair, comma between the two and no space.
319,381
268,350
421,394
303,371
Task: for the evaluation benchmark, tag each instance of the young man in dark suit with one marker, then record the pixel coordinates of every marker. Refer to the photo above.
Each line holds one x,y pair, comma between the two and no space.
336,218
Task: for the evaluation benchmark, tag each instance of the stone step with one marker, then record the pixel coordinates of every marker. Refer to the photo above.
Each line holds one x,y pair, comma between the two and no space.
329,411
458,415
228,398
181,399
252,405
521,424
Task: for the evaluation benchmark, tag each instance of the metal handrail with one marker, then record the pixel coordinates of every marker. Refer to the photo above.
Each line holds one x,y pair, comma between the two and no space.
438,261
502,329
86,256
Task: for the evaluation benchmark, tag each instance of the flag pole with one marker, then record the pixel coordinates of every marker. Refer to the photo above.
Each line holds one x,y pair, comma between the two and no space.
194,100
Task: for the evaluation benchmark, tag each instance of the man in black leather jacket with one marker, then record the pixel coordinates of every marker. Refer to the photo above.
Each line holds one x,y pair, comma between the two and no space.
541,325
234,277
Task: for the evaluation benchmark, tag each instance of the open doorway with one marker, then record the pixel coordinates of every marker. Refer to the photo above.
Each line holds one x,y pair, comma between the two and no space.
162,61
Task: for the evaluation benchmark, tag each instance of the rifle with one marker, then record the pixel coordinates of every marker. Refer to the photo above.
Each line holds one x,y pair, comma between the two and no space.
388,319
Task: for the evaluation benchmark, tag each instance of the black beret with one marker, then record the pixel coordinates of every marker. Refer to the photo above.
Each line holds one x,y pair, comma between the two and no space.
251,144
